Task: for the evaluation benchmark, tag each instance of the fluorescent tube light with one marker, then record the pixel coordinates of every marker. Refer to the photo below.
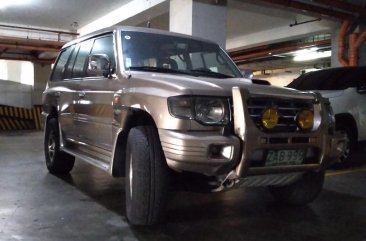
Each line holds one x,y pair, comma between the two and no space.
8,3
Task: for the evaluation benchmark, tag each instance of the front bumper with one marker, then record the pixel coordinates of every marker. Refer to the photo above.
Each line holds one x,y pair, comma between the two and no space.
203,152
212,154
241,156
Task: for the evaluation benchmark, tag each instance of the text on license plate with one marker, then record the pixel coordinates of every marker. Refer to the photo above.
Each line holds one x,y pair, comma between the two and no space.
284,157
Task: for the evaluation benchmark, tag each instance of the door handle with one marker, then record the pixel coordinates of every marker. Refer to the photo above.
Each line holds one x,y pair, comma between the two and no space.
81,94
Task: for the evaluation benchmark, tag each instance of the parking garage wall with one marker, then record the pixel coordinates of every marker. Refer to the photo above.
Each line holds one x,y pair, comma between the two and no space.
20,104
18,118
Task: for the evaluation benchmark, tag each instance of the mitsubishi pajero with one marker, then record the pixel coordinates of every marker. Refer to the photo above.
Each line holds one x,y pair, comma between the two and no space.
144,104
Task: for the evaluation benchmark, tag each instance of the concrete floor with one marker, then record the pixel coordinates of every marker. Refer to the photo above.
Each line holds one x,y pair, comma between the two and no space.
88,205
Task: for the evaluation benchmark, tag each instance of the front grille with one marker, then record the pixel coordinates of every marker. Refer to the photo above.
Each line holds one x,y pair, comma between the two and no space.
287,109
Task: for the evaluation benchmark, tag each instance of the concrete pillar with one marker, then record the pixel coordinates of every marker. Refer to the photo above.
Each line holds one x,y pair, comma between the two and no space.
201,18
41,75
334,41
362,49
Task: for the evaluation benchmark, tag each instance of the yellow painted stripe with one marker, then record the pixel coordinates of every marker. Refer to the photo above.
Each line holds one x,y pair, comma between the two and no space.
24,114
16,112
35,118
343,172
2,125
23,125
8,127
16,118
13,125
21,113
17,124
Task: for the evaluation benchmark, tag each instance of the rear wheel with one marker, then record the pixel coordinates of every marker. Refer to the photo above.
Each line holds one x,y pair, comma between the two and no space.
57,162
146,177
302,191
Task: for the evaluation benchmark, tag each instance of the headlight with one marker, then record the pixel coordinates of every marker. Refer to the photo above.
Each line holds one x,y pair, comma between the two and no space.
305,120
205,110
270,118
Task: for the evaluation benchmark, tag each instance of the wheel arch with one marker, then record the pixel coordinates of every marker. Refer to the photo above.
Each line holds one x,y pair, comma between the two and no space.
51,112
348,120
136,117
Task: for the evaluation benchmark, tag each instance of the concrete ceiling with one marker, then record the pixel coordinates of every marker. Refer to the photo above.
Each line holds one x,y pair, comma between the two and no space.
56,14
250,23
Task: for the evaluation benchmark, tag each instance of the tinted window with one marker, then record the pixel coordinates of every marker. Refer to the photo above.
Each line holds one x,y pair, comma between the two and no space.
104,45
81,59
70,64
59,68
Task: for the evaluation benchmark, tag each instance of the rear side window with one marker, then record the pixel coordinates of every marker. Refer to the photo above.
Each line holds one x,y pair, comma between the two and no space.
81,59
70,64
59,68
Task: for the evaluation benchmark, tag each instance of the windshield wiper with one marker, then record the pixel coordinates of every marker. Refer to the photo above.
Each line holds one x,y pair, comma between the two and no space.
194,72
157,69
209,73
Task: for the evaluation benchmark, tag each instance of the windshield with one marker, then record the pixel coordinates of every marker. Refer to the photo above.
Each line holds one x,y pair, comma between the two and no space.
169,54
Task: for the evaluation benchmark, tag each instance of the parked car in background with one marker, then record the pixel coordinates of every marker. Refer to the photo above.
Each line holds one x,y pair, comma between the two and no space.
346,89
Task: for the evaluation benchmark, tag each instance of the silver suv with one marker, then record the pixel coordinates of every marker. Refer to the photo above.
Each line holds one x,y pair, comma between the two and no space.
145,104
346,90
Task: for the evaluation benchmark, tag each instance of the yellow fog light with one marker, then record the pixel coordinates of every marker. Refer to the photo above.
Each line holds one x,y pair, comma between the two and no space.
270,118
305,120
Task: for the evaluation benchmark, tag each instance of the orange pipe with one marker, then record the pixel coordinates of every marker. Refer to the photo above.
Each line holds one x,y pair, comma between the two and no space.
355,41
360,40
352,50
341,44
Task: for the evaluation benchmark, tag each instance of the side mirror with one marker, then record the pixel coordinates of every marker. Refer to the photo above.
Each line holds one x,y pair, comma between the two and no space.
99,65
361,89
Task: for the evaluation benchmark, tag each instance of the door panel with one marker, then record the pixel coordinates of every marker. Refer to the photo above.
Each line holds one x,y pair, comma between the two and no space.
95,113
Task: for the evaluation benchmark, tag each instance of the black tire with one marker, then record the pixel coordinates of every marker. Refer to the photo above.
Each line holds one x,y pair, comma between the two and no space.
147,177
347,156
302,191
57,162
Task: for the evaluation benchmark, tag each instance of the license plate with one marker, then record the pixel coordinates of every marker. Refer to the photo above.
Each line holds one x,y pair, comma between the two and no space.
285,157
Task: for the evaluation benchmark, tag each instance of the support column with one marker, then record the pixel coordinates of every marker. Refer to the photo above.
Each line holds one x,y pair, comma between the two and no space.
200,18
334,40
362,49
41,74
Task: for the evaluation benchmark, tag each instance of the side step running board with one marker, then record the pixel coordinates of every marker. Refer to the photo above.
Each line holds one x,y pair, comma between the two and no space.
95,162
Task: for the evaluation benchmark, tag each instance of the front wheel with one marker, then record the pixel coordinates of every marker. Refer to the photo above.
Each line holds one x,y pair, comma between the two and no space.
57,162
345,159
302,191
146,177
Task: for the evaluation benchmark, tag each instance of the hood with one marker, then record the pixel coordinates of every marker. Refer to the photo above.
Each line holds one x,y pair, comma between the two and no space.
192,85
330,93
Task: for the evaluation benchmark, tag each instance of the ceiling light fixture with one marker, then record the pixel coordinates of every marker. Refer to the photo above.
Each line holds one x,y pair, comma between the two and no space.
311,54
8,3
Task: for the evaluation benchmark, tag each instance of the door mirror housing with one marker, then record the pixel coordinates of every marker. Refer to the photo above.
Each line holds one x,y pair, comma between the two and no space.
99,65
